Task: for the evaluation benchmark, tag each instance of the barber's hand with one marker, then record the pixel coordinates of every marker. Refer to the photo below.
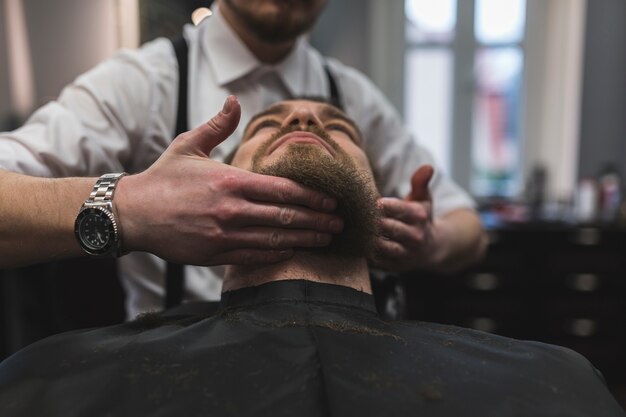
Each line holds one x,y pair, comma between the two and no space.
407,233
190,209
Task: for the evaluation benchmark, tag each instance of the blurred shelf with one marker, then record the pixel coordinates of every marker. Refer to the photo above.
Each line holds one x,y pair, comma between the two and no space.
552,282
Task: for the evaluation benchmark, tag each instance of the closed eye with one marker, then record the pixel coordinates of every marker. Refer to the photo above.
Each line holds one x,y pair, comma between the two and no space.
265,123
341,128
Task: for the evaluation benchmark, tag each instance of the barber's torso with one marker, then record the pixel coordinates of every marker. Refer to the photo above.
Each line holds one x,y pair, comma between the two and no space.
121,116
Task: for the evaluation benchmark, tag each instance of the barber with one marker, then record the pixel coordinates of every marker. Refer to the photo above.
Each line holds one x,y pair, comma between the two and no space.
120,117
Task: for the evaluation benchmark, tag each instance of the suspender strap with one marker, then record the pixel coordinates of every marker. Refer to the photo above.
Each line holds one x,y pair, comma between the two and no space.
180,47
335,96
175,273
174,283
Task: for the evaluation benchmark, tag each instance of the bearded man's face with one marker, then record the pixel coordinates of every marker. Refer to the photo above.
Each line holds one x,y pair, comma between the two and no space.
317,145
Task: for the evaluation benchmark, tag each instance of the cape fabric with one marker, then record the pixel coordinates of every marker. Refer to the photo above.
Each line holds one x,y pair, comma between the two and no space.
296,348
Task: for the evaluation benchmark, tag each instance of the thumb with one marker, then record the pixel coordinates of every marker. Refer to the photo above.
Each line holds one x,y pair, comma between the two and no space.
419,184
204,138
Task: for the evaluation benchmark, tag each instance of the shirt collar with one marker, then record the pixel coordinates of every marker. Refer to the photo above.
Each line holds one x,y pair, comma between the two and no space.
228,56
299,290
293,68
230,59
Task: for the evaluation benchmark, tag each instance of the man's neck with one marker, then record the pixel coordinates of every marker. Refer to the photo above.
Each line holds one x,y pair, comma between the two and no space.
352,273
268,53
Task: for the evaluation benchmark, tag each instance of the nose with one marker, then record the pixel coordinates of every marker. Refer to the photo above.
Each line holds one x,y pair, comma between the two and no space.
302,117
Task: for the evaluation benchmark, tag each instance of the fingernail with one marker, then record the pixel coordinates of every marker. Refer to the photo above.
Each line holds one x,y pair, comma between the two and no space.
227,106
336,225
329,204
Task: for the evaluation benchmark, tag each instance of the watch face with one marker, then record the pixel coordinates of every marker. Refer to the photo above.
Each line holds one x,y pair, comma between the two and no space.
95,231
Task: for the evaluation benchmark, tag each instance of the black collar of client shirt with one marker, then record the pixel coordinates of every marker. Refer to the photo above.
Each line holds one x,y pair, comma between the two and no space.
296,348
298,291
293,290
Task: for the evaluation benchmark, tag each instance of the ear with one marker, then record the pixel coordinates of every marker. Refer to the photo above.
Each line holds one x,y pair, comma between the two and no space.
229,158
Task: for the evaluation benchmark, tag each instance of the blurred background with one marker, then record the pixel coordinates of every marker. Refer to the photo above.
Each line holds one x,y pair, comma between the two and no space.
522,102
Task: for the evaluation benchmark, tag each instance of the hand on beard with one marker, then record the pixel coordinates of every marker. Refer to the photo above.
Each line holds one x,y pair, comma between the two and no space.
352,188
408,237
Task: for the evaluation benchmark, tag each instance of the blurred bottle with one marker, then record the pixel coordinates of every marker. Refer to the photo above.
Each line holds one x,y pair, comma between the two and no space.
586,201
535,191
610,194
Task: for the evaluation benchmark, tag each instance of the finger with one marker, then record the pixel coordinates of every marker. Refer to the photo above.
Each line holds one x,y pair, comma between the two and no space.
275,239
410,212
419,184
290,217
281,190
389,250
203,139
406,235
251,256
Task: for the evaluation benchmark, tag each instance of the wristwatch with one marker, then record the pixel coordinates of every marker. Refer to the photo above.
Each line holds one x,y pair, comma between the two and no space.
96,227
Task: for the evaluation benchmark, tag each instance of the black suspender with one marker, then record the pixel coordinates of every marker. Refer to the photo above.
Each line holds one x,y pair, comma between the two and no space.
175,273
335,97
180,47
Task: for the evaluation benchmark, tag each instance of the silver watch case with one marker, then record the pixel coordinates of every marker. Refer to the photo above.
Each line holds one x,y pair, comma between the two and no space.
96,229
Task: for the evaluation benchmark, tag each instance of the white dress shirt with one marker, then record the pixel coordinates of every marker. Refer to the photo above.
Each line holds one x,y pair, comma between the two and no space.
121,115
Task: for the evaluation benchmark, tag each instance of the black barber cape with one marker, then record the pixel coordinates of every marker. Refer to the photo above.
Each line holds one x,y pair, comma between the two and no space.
297,348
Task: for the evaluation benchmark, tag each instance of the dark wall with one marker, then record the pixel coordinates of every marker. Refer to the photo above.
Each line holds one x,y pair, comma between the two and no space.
603,128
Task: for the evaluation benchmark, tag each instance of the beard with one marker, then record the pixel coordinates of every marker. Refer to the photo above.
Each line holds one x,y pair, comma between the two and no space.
282,27
353,189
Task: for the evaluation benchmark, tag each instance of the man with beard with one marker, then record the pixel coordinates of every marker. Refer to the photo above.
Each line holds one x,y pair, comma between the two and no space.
121,116
300,337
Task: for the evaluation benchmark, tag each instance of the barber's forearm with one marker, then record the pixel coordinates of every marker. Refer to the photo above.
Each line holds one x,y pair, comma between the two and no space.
462,240
37,218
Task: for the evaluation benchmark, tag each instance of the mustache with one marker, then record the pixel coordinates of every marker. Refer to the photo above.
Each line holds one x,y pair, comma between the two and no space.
316,130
